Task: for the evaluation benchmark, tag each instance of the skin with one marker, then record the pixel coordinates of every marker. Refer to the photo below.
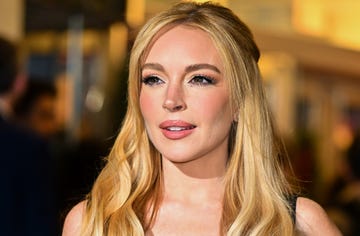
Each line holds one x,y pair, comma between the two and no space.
42,118
193,173
188,87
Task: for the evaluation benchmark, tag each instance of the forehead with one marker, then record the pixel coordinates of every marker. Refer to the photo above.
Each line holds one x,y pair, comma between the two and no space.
183,40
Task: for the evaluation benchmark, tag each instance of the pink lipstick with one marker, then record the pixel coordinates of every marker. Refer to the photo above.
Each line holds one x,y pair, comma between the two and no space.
176,129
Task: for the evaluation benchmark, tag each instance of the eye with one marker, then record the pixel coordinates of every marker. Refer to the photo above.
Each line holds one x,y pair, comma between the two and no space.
202,80
152,80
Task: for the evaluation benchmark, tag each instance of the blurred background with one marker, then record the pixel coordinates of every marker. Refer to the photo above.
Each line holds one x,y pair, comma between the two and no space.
310,64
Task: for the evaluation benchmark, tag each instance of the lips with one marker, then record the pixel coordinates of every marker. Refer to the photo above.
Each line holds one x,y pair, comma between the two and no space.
176,129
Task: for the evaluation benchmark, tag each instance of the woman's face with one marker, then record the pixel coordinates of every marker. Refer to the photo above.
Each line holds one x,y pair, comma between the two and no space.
184,97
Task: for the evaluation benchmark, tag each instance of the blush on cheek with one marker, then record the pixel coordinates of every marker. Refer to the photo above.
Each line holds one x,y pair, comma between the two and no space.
212,104
146,105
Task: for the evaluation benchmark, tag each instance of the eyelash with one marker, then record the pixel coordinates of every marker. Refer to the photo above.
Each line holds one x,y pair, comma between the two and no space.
152,80
204,80
200,80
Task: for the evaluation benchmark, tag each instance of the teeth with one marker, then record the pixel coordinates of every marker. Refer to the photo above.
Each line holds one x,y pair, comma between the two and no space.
176,128
179,128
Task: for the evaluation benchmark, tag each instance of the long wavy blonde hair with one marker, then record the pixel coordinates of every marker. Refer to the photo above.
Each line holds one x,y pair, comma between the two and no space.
127,194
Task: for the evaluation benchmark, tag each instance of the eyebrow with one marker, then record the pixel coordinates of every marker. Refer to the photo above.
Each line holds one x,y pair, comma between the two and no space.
196,67
154,66
188,69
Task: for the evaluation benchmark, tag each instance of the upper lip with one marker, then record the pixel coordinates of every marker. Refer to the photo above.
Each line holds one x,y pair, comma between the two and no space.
176,123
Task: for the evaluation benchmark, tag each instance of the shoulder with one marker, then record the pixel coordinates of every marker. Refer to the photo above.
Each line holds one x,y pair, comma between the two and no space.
72,224
311,219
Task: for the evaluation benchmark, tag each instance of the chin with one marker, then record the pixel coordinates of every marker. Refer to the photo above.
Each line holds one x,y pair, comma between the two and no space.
177,158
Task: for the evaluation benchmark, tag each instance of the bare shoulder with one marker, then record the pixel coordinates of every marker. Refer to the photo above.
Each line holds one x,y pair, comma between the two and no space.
311,219
72,224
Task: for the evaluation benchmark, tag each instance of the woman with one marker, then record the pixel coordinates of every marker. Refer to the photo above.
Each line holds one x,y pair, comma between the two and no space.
197,153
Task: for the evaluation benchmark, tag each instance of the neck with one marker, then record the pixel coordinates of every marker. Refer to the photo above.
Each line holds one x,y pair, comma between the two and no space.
194,182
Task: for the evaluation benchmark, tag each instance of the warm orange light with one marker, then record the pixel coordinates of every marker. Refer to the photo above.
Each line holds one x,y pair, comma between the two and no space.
342,136
309,17
117,43
336,21
135,12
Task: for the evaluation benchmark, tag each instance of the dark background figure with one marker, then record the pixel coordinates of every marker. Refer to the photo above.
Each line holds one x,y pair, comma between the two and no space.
78,163
27,202
74,163
344,195
35,109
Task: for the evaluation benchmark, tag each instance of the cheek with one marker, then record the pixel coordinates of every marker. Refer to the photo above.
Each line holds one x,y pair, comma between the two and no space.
147,104
215,108
147,108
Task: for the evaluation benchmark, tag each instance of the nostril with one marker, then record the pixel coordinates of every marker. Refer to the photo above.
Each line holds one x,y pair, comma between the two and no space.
177,108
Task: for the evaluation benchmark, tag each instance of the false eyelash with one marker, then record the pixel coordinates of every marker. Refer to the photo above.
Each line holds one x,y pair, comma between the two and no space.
151,80
208,80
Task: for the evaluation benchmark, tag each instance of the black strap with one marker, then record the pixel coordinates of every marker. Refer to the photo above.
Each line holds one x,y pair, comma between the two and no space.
292,202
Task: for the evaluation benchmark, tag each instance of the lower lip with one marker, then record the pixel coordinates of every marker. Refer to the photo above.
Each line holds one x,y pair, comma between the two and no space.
176,134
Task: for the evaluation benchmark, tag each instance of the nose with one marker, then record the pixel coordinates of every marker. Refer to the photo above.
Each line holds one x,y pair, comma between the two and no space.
174,99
